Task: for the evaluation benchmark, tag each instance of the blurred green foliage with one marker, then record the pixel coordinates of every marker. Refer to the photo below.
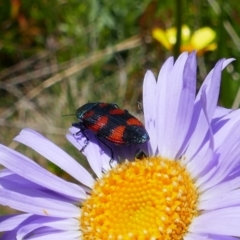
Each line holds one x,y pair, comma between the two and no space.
56,55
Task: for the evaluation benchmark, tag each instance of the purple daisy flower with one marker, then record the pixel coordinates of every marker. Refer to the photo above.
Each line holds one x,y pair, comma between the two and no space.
187,187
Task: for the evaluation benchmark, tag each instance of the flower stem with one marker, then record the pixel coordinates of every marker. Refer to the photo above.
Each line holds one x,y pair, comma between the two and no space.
178,27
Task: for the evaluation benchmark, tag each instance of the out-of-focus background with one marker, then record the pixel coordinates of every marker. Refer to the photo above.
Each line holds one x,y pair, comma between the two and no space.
56,55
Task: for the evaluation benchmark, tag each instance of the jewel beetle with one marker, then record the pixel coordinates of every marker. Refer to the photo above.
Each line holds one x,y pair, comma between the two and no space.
111,123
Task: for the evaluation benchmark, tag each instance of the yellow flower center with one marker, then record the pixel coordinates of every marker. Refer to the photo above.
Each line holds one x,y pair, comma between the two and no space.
153,198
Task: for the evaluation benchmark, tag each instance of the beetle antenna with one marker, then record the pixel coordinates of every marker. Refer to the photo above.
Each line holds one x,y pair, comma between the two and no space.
71,114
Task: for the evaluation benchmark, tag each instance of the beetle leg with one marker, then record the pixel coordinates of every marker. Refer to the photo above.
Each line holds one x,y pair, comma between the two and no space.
86,142
111,159
140,154
140,106
82,129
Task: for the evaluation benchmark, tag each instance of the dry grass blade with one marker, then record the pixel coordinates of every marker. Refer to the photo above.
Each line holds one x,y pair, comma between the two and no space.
93,58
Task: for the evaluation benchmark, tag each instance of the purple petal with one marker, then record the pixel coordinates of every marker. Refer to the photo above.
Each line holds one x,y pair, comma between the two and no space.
149,106
59,224
10,222
59,235
185,106
208,172
168,99
221,112
193,236
33,172
97,154
162,98
11,234
200,126
8,175
226,124
56,155
91,151
221,237
203,157
37,202
220,189
223,221
225,200
229,150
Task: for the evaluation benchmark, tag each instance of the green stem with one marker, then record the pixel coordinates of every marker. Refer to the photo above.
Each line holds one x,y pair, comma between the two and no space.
178,27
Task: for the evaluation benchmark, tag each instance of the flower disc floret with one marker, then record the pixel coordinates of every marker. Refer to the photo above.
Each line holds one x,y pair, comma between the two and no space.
154,198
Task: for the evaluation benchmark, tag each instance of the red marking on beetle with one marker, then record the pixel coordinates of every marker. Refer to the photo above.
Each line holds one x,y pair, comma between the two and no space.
116,111
101,122
116,134
89,114
134,121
